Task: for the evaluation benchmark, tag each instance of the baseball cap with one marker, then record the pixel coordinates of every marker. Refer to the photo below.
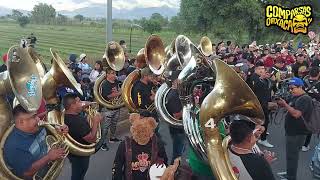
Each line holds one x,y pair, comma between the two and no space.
146,71
296,81
82,56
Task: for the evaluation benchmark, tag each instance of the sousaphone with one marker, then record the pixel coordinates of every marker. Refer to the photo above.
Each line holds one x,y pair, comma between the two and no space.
230,95
155,57
172,65
114,58
22,78
59,75
205,46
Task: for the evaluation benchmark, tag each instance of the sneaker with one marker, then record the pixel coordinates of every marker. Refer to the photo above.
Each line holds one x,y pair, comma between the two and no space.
113,140
305,149
282,175
265,143
104,147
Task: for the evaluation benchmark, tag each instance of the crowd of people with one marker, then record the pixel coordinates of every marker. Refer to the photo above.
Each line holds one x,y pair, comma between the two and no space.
281,76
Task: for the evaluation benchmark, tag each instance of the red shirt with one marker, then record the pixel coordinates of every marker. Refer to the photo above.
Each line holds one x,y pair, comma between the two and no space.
289,59
268,62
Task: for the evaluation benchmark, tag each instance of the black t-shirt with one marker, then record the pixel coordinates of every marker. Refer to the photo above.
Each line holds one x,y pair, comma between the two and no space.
312,87
173,105
250,165
107,87
295,126
141,94
78,127
262,89
296,66
141,160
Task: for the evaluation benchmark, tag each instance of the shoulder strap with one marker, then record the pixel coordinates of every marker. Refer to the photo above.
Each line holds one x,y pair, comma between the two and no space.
154,152
128,158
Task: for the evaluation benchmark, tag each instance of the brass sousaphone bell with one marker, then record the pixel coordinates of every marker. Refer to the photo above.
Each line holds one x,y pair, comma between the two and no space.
22,78
205,46
172,65
114,57
155,57
59,75
231,95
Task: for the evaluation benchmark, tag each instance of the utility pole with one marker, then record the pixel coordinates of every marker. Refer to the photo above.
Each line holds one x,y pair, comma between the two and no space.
109,21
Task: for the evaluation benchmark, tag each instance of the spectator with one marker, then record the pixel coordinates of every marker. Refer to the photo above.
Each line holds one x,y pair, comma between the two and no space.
84,66
72,65
96,72
299,108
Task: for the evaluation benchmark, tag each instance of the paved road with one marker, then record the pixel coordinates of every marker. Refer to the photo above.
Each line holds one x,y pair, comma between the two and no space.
101,162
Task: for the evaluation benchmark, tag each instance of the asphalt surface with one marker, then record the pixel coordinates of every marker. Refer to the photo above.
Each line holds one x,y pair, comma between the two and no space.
101,162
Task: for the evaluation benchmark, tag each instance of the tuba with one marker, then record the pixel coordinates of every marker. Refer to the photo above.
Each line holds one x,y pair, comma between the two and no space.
155,57
59,75
231,95
226,97
205,46
22,78
172,65
115,58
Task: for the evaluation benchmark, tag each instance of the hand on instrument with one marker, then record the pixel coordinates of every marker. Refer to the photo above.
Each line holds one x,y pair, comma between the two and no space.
153,95
97,118
62,129
56,153
281,102
269,156
258,131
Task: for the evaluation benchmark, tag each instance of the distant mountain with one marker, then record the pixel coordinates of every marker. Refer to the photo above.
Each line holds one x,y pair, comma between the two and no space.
4,11
135,13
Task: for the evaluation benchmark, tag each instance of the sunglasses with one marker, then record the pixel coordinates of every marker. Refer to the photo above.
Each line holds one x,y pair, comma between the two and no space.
291,88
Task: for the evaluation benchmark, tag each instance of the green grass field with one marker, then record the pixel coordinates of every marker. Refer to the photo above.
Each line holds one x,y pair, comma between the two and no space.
74,39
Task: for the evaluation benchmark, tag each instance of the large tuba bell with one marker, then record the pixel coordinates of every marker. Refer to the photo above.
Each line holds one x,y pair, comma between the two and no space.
41,67
59,75
155,54
155,57
231,95
22,78
172,65
115,59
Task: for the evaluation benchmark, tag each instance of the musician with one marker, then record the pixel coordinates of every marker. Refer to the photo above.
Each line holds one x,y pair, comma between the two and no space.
246,163
174,108
110,91
25,150
261,85
301,64
79,130
142,94
279,69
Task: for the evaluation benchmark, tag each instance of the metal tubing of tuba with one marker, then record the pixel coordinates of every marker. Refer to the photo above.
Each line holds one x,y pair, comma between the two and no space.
231,95
25,84
113,58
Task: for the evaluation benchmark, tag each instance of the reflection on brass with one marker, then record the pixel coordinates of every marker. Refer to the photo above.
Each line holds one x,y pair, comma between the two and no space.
205,46
127,89
160,104
231,95
21,78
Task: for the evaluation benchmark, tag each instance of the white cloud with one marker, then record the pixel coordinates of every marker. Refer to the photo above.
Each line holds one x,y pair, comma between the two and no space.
76,4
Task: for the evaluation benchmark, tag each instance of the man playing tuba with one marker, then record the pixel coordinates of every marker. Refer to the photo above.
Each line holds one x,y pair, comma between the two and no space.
110,92
25,150
80,131
142,94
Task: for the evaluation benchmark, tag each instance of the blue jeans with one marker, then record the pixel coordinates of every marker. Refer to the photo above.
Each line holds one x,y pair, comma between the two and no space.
178,141
79,166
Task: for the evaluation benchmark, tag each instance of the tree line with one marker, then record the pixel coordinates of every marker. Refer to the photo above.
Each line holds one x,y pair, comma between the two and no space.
237,20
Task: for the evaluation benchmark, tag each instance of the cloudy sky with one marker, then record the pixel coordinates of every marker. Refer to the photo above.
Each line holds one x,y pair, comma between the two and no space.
76,4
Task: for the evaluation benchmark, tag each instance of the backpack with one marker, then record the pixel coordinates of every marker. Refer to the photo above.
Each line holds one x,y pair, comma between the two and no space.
313,123
315,162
